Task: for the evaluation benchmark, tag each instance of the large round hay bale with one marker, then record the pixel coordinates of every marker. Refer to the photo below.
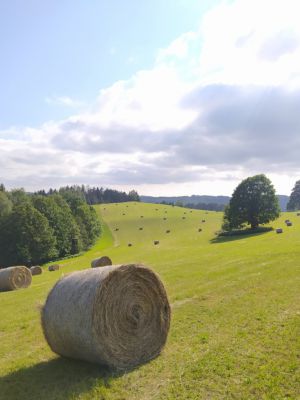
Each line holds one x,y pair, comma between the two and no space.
117,316
279,230
101,262
156,242
53,267
13,278
36,270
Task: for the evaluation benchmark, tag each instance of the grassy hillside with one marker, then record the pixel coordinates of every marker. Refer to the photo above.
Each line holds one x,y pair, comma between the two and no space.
235,323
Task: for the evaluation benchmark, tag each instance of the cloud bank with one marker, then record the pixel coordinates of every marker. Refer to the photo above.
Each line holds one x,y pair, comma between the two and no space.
219,104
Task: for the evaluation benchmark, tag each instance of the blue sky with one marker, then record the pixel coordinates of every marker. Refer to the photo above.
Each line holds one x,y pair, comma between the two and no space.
168,97
74,48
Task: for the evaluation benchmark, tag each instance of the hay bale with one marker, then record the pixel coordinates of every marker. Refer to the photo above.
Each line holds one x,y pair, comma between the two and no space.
165,218
124,214
199,230
116,230
289,223
129,244
36,270
298,214
168,231
279,230
53,267
13,278
117,316
203,220
156,242
183,217
101,262
141,228
142,216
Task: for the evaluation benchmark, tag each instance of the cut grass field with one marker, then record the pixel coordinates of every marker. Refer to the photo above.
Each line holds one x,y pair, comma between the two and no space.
235,331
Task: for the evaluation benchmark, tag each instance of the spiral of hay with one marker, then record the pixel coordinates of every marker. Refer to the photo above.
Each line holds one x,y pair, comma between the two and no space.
101,262
53,267
36,270
13,278
117,316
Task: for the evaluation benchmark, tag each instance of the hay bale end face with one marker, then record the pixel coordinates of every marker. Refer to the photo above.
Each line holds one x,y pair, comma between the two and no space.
101,262
13,278
279,230
53,267
156,242
36,270
93,315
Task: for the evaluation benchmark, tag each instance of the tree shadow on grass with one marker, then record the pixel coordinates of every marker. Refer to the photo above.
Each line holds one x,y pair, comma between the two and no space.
239,235
58,379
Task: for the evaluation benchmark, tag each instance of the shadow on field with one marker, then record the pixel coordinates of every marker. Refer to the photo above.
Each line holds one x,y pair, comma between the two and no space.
232,238
54,380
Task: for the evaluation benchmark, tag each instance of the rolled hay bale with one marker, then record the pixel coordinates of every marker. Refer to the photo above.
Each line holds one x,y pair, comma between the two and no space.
129,244
13,278
141,228
289,223
36,270
101,262
156,242
117,316
53,267
199,230
279,230
165,218
168,231
183,217
142,216
203,220
298,214
116,230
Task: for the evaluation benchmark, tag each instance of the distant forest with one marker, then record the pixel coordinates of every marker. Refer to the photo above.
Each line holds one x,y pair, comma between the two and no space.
95,195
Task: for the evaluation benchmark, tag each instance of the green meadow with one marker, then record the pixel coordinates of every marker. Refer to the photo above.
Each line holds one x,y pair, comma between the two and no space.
235,329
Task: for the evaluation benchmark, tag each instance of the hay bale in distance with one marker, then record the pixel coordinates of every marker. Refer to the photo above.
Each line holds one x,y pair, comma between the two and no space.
93,315
289,223
168,231
203,220
13,278
298,214
279,230
183,217
36,270
116,230
156,242
141,228
199,230
101,262
142,216
165,218
53,267
129,244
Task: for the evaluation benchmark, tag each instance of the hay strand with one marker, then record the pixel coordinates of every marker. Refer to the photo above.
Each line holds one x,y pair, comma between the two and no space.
117,316
13,278
101,262
36,270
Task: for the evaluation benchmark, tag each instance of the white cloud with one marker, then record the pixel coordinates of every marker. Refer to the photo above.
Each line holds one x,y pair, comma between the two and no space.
219,104
64,101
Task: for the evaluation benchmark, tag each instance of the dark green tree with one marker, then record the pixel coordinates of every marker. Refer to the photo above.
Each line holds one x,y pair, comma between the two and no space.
294,201
253,202
25,237
88,223
5,204
60,219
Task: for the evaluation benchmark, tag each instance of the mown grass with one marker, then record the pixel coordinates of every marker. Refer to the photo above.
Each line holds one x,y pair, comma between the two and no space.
235,331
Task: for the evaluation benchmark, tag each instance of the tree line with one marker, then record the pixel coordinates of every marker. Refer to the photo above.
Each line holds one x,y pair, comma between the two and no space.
95,195
36,228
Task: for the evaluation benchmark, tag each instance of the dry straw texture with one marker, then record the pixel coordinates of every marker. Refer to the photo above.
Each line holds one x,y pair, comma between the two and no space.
53,267
36,270
101,262
117,316
13,278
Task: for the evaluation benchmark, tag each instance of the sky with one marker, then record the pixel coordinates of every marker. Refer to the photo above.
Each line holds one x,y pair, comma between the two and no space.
172,97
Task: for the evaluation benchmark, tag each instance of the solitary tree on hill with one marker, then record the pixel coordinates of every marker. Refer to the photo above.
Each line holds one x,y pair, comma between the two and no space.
294,202
253,202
